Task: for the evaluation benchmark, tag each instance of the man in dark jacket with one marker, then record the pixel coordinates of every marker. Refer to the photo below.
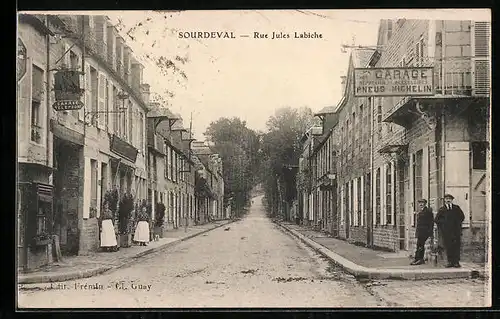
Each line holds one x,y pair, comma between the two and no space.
449,221
424,230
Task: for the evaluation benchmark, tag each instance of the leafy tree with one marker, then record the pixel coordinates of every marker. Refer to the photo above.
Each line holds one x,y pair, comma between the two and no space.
280,151
238,146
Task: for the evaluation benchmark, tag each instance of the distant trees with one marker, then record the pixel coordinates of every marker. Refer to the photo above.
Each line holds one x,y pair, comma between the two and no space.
280,152
239,148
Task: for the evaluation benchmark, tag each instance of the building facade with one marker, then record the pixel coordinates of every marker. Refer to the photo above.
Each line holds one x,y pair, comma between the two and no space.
425,139
85,151
393,151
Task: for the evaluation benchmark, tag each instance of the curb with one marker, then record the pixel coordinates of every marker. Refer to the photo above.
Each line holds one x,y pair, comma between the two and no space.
58,277
361,272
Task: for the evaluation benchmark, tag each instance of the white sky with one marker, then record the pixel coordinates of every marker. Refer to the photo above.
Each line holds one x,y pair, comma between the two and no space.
251,78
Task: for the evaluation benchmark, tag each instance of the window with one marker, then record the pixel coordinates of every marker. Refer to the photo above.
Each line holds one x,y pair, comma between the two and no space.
175,172
94,98
93,184
36,102
360,203
367,193
104,181
389,30
388,194
417,180
377,197
347,132
379,120
141,131
351,202
479,155
130,122
102,117
106,106
354,129
116,116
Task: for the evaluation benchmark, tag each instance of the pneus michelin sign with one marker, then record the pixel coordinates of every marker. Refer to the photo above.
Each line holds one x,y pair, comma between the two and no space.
407,81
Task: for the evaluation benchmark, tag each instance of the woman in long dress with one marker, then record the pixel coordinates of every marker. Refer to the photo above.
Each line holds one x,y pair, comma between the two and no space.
108,236
142,229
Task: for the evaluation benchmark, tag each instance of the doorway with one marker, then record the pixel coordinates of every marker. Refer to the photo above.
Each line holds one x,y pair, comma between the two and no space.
67,180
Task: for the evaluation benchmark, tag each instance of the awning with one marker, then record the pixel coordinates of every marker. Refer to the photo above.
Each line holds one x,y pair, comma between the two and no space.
393,148
404,113
65,133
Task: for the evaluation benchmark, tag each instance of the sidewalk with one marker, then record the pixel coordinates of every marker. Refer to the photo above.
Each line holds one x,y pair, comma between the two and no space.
76,267
368,263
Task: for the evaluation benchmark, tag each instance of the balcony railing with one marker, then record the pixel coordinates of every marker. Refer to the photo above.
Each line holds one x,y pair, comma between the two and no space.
452,75
36,133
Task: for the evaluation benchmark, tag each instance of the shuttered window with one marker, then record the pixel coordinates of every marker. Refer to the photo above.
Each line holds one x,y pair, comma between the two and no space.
481,62
102,105
377,197
417,181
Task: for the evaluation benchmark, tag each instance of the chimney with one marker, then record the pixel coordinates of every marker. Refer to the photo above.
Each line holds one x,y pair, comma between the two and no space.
136,76
111,44
343,83
145,93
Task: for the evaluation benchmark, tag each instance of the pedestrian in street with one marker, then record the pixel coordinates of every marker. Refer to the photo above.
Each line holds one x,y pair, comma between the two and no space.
449,221
424,230
141,234
108,236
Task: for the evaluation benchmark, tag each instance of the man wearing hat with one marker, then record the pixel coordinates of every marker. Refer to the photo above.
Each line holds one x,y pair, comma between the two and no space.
449,221
425,224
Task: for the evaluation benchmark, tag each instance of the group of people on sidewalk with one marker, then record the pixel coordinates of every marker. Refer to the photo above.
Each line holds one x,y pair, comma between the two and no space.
449,220
108,235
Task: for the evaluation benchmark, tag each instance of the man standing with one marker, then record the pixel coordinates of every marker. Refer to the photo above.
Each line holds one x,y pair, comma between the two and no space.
425,224
449,221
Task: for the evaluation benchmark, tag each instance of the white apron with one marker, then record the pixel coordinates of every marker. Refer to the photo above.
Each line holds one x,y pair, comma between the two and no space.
108,237
142,232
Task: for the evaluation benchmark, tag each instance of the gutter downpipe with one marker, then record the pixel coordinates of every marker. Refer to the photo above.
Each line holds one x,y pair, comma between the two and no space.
47,96
443,122
372,107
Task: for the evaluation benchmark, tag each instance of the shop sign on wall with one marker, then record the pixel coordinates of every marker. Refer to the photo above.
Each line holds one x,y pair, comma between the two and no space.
407,81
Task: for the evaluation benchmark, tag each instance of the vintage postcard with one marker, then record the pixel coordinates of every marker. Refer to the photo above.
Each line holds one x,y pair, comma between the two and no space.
254,159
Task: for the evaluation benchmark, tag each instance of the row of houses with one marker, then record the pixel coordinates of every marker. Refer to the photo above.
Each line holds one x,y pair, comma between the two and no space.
363,170
71,152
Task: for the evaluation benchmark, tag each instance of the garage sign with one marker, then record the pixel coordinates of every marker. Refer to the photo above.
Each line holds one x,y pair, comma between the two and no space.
407,81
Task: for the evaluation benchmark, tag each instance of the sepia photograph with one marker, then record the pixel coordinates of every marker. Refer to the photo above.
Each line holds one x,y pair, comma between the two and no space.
182,159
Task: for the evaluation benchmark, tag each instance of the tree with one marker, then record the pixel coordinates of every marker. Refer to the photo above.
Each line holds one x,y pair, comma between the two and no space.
281,151
238,146
148,33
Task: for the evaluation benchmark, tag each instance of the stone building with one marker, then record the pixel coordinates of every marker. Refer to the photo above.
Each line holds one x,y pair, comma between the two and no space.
77,155
438,144
209,183
305,174
177,168
393,151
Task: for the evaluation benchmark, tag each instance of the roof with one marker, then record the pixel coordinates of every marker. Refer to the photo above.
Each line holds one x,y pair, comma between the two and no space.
361,57
157,111
326,110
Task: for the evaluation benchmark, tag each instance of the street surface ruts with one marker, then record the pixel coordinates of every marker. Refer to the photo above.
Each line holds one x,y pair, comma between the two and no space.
249,263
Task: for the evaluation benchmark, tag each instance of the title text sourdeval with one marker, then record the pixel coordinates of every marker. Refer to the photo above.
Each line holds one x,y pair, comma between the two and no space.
254,34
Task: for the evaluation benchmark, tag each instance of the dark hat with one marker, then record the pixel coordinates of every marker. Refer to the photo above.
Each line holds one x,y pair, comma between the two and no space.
422,201
449,196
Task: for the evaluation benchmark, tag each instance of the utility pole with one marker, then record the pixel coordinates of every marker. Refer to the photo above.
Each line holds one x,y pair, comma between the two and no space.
82,39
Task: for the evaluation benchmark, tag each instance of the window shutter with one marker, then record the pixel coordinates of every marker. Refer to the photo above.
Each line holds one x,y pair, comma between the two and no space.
393,193
362,208
88,95
66,60
383,217
101,98
480,62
